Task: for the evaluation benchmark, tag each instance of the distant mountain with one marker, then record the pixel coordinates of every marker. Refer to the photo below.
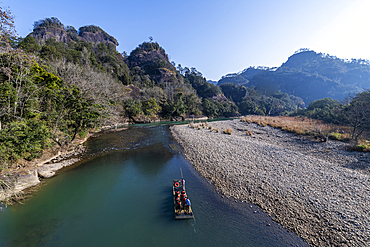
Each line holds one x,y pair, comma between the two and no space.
309,75
212,82
245,76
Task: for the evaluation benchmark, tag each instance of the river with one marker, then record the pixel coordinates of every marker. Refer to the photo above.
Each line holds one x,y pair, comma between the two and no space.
120,195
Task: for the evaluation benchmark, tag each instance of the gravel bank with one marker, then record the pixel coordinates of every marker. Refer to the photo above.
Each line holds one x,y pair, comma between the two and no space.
318,190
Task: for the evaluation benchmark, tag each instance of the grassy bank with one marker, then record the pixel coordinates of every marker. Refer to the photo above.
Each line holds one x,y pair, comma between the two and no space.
311,127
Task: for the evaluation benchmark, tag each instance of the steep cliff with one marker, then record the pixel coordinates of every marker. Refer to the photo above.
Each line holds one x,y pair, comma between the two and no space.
151,59
96,35
41,34
53,28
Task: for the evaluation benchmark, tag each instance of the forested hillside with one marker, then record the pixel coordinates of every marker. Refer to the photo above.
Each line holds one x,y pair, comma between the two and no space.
308,75
57,83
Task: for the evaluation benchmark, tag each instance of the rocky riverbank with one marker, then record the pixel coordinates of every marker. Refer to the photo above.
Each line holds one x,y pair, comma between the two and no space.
27,175
316,189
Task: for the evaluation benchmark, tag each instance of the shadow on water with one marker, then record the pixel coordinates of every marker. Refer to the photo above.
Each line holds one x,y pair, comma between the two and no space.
166,207
121,195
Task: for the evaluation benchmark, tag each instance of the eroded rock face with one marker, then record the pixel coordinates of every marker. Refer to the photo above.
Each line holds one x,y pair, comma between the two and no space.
165,75
47,171
42,34
145,58
155,63
13,184
26,180
96,38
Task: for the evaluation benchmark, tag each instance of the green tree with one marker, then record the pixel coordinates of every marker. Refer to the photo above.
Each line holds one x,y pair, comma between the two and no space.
192,104
29,45
323,109
210,108
48,22
247,107
150,107
237,93
133,107
357,113
23,139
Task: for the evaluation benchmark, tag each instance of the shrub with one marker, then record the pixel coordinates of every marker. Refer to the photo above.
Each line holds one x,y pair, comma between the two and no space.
339,136
217,130
249,133
363,146
23,139
228,131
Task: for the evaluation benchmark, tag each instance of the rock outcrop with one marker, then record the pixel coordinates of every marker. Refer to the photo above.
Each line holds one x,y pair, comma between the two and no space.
98,37
45,167
42,34
13,186
47,171
154,62
89,34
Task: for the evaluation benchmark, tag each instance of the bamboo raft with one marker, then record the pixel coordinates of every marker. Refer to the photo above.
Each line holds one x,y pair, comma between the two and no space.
182,211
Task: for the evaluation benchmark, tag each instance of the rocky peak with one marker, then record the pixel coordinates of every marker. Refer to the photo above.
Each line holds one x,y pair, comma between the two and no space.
96,38
153,60
41,34
96,35
53,28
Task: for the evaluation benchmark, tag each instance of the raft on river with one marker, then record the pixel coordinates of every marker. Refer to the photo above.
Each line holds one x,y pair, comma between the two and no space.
182,205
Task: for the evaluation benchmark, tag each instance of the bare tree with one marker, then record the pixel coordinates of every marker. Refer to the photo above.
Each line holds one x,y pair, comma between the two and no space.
7,28
15,69
357,113
96,92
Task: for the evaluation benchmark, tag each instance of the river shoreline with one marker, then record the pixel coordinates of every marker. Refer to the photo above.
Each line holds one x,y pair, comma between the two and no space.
29,174
26,174
318,190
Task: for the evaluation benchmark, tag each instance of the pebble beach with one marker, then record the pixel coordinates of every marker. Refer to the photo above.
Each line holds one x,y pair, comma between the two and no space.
319,190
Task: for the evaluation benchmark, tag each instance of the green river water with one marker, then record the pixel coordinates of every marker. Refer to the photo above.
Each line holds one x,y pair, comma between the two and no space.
120,195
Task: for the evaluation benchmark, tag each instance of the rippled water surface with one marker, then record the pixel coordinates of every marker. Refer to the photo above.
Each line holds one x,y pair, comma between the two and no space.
120,195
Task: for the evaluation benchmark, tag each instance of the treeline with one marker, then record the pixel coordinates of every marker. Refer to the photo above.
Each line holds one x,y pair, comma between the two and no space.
354,112
44,103
48,97
53,91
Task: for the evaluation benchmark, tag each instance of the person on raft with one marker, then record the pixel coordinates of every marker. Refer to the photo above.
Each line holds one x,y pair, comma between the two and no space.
188,203
178,206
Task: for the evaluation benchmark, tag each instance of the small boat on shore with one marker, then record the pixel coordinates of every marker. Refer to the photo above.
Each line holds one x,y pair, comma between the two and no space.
182,205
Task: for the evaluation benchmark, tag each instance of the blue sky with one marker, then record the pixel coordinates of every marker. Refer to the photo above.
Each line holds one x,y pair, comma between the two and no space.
216,37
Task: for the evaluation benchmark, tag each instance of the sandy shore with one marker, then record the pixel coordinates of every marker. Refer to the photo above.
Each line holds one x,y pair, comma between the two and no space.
316,189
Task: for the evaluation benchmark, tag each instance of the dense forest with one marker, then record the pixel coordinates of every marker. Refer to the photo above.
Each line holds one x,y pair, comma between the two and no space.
58,82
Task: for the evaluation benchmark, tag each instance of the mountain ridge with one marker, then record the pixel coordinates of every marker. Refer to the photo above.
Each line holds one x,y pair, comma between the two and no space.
309,75
53,28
